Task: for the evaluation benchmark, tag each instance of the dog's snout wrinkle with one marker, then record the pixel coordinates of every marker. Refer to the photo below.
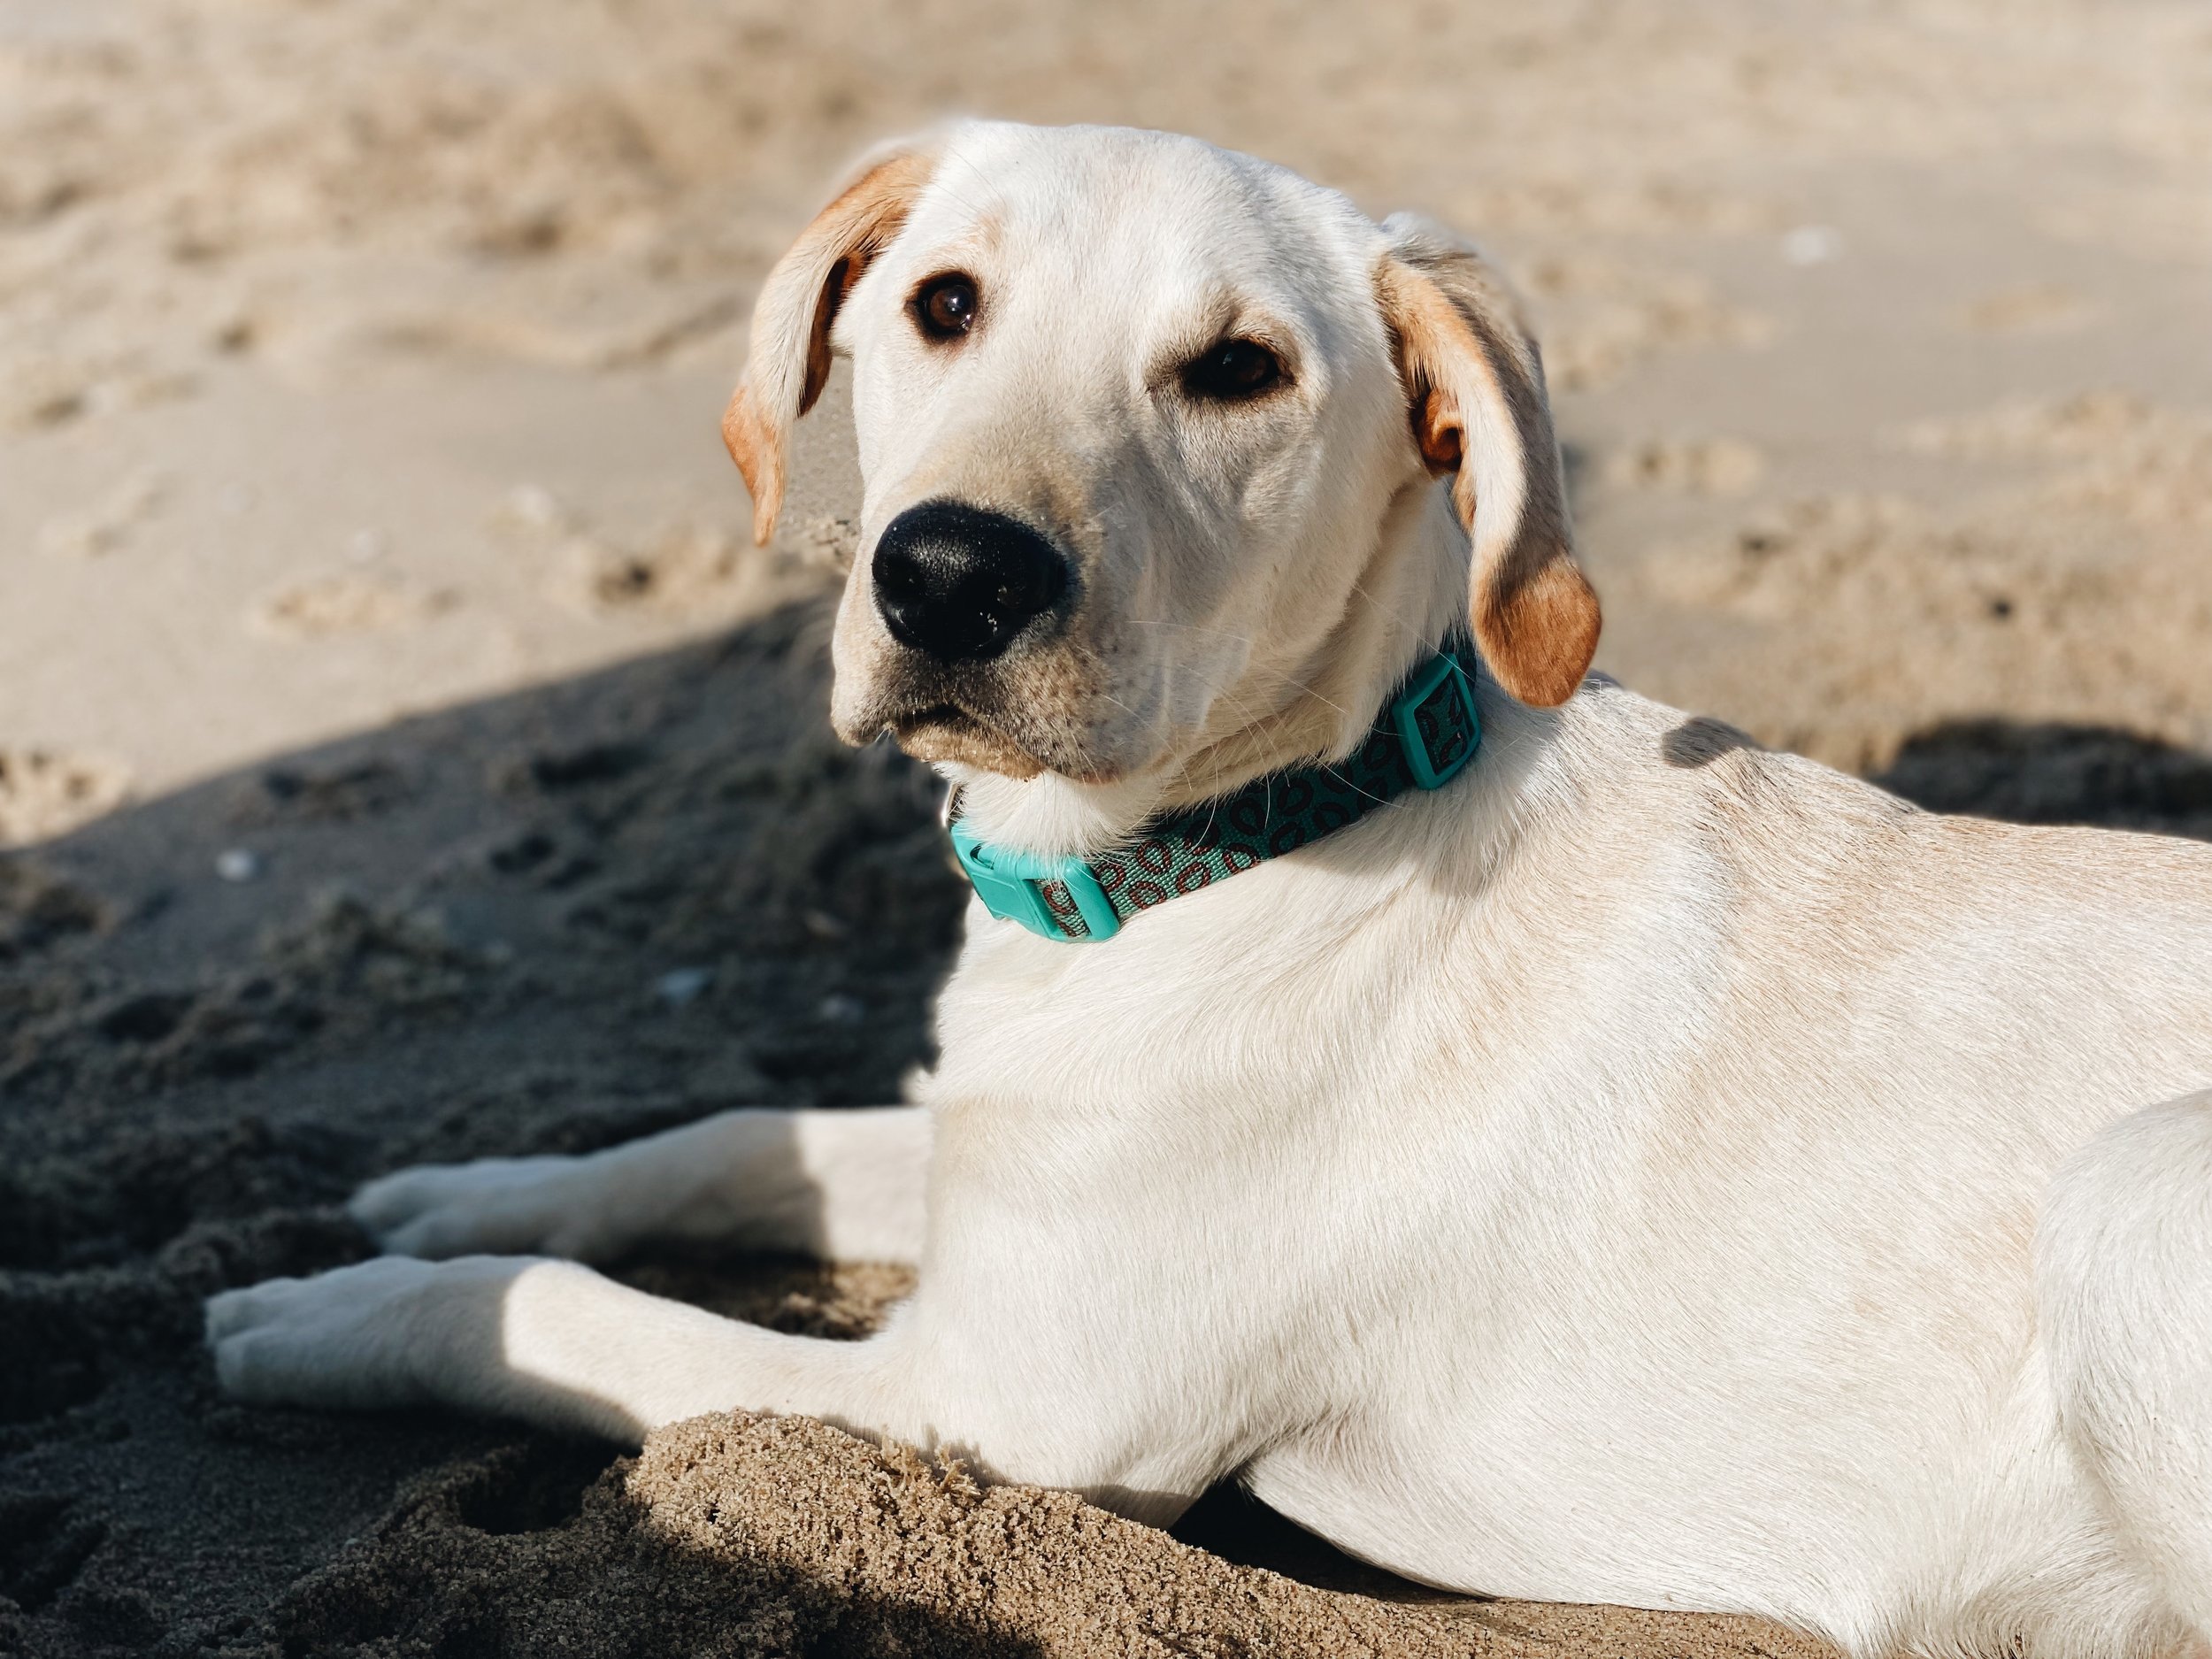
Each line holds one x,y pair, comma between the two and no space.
957,583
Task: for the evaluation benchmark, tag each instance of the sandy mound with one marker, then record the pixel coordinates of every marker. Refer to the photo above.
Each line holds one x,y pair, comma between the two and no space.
756,1537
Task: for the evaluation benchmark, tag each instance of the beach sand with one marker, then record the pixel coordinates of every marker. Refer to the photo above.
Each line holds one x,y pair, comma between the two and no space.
404,755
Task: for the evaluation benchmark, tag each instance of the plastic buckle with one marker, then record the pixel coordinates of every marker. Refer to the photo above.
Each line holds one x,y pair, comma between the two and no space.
1008,883
1405,720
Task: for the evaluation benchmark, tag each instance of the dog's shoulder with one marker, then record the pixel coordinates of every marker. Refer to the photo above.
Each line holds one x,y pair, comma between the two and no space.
1768,816
1626,762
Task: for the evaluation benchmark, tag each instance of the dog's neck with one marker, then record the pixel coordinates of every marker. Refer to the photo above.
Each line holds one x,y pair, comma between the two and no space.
1319,698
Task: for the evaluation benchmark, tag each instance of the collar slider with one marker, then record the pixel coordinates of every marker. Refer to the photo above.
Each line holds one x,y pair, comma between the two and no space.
1435,720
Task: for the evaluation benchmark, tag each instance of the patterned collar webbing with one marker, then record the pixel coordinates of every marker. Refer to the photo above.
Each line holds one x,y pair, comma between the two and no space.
1424,734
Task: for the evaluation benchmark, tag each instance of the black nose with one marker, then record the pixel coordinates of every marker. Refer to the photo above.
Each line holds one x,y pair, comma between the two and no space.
958,583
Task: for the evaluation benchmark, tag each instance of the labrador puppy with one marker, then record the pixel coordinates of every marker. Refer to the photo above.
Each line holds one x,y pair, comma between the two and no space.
1542,1144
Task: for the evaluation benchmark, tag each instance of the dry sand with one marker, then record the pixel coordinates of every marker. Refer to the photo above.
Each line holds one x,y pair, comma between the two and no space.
406,759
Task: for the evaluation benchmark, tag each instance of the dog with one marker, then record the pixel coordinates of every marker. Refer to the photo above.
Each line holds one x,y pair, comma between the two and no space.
1623,1165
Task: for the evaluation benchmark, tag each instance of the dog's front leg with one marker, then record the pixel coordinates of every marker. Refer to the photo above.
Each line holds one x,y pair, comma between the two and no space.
556,1344
844,1184
550,1342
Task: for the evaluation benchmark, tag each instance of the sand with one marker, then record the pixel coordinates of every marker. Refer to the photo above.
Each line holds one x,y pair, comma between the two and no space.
403,755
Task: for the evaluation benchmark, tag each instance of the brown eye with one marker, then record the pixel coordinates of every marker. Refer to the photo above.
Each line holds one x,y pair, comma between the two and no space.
945,306
1232,370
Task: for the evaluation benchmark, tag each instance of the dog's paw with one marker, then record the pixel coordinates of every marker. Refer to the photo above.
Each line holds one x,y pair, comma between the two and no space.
380,1334
543,1206
337,1338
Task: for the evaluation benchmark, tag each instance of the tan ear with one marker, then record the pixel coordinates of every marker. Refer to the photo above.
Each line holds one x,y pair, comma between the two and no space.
1475,392
790,357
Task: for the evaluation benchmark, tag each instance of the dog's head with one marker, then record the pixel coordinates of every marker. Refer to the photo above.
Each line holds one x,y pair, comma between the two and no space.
1148,431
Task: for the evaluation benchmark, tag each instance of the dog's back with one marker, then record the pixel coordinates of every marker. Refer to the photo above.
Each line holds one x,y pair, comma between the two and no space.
1779,1071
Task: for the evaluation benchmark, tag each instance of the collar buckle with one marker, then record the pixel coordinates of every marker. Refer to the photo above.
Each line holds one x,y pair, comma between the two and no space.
1011,886
1435,720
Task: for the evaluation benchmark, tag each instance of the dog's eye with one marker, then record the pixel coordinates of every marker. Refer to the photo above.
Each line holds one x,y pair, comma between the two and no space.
1232,370
945,306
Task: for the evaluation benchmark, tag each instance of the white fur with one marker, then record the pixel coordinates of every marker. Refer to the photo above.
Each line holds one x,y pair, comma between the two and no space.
1646,1171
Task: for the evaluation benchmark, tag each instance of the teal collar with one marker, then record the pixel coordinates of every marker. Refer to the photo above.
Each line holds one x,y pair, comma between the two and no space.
1426,733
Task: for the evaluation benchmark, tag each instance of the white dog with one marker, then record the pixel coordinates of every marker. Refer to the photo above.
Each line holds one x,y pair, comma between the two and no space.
1640,1168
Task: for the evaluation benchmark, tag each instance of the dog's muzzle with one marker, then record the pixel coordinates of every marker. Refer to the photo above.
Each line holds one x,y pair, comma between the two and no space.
957,583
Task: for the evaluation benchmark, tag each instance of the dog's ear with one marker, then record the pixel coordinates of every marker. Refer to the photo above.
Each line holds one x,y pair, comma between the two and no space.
790,355
1474,389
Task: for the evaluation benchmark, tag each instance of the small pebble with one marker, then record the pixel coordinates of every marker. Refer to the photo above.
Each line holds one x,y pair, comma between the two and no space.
238,864
681,986
534,507
1812,244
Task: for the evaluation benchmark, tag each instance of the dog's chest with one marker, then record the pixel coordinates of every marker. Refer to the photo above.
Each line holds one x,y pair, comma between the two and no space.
1242,1002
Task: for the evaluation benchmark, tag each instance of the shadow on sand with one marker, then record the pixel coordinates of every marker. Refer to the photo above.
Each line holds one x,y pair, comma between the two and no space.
545,922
